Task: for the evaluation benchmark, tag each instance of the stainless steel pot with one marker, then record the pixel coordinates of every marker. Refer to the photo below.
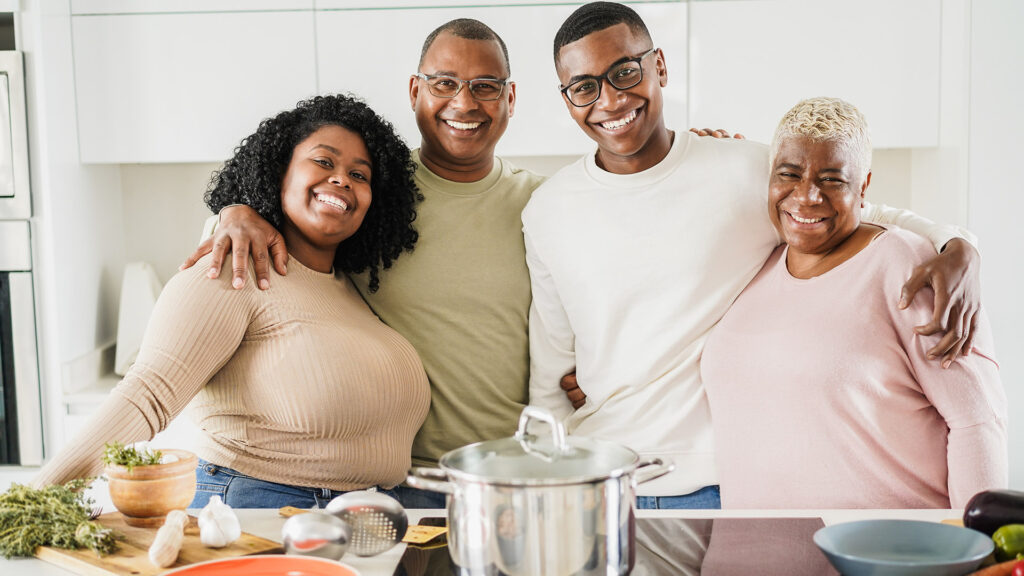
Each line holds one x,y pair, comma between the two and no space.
541,506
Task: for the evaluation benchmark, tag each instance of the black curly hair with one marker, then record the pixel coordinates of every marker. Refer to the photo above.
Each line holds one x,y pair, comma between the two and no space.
253,176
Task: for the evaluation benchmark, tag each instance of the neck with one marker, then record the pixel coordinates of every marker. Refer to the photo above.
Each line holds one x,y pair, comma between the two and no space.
808,265
470,172
318,258
654,151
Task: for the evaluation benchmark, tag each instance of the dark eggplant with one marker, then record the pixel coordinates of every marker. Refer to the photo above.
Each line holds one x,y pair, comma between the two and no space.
987,511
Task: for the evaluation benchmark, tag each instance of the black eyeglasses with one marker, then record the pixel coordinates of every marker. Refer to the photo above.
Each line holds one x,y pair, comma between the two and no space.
623,75
444,86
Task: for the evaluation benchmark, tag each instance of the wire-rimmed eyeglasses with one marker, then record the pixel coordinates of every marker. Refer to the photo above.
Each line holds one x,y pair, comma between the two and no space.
445,86
622,75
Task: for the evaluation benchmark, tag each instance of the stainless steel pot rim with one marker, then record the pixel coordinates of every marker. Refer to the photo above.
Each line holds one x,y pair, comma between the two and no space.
463,478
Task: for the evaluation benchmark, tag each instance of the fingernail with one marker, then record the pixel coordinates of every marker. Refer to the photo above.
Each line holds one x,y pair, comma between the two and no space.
903,302
237,283
211,273
264,284
947,363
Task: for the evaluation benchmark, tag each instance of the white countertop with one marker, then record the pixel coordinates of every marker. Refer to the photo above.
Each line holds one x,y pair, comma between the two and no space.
267,523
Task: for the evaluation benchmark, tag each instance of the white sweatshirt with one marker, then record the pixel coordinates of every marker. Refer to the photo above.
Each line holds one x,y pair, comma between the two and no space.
630,272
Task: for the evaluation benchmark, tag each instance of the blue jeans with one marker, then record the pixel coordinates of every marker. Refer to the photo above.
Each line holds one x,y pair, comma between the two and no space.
707,497
415,498
240,491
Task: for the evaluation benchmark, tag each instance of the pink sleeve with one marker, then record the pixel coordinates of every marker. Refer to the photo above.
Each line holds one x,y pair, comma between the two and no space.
968,395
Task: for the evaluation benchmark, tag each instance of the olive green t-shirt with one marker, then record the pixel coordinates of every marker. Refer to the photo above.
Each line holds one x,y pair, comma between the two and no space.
462,298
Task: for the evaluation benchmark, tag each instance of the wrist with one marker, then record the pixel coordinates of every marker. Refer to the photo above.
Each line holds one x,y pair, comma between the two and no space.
229,206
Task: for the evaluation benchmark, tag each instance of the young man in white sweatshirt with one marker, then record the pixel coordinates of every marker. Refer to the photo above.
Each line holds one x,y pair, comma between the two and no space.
637,250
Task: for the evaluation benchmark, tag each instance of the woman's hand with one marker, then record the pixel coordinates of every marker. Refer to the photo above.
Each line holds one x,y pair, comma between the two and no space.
242,229
717,133
954,276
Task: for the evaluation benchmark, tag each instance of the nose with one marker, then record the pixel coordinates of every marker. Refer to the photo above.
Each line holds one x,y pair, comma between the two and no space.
464,99
609,94
340,180
807,192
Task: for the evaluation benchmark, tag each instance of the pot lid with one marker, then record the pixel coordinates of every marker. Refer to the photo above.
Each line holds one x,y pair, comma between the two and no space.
545,459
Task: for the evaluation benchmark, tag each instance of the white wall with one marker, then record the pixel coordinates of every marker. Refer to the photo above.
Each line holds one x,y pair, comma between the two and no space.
996,197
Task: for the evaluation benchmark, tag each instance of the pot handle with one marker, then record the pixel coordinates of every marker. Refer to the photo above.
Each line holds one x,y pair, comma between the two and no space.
661,466
558,436
430,479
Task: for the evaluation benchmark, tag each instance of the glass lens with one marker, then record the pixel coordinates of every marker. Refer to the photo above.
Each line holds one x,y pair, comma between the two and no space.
625,75
584,92
483,89
443,86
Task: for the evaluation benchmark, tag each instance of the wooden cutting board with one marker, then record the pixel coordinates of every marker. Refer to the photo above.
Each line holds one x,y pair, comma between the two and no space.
132,556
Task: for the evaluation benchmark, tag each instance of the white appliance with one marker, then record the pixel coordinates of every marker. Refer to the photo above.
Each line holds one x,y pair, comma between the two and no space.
21,439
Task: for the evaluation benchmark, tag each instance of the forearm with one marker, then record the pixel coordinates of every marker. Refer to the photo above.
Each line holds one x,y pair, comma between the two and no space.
977,460
937,234
118,419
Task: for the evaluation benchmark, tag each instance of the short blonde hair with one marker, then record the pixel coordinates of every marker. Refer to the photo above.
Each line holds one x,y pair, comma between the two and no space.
830,120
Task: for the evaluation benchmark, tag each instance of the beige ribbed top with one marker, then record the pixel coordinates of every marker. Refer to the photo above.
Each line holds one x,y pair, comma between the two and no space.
300,384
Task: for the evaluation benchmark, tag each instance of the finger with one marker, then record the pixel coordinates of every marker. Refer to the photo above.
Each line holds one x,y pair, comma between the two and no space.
722,133
942,312
202,250
576,395
279,253
954,349
220,248
696,131
918,280
945,344
972,325
569,382
239,264
261,264
739,136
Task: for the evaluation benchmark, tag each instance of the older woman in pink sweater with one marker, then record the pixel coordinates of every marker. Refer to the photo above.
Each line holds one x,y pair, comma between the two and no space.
822,395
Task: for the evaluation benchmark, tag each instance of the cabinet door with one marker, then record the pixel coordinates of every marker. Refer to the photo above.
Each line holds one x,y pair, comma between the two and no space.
752,61
374,52
185,87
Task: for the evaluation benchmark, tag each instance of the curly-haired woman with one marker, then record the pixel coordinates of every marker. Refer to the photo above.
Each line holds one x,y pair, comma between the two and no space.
299,392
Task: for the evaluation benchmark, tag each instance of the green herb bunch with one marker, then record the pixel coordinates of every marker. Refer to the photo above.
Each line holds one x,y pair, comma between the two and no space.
53,516
128,456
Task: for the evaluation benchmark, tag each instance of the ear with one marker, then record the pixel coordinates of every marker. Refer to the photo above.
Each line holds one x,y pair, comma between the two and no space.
659,64
414,90
864,187
511,99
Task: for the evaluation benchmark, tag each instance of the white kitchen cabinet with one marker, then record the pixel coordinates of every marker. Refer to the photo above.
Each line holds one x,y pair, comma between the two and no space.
171,6
374,52
185,87
752,61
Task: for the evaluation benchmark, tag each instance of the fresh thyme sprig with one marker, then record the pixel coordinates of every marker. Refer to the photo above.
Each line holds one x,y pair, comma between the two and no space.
53,516
129,456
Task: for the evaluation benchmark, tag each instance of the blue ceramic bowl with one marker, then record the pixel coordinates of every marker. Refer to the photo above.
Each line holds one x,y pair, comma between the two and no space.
902,548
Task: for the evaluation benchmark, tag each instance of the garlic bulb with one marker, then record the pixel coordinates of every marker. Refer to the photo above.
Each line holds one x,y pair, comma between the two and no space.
218,525
169,538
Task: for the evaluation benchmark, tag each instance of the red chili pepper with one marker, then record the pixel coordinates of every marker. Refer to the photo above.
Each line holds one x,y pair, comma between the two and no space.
1018,569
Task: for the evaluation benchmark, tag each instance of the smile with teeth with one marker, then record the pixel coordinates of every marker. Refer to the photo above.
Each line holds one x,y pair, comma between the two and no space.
333,201
463,125
804,220
619,123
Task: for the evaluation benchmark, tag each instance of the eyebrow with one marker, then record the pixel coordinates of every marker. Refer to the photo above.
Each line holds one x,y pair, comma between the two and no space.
790,165
579,77
454,75
337,152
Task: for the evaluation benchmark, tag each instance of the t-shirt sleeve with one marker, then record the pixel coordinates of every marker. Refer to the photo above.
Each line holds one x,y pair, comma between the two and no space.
196,326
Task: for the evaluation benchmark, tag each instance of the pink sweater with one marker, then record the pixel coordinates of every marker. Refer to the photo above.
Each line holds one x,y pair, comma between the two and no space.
822,396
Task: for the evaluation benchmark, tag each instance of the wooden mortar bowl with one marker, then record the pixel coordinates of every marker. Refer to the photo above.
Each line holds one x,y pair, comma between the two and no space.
146,494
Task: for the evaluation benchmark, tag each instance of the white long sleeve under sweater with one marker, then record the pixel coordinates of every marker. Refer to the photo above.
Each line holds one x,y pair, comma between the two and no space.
629,274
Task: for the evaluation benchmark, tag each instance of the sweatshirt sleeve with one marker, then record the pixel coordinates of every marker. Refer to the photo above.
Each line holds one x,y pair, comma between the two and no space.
937,234
196,326
969,396
552,341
